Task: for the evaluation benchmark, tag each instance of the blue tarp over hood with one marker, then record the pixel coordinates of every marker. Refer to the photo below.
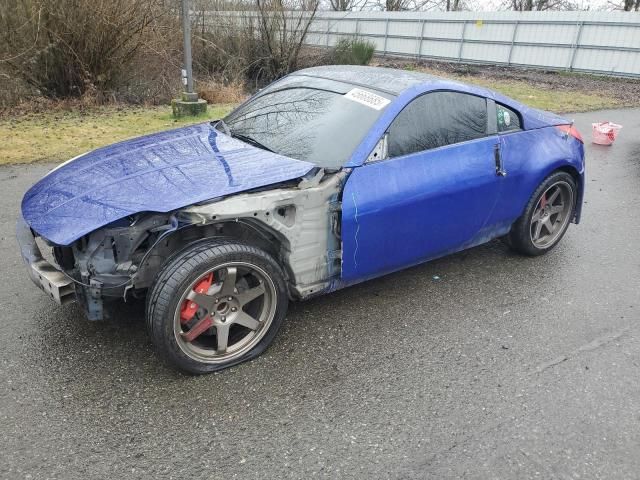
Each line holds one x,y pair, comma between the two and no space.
155,173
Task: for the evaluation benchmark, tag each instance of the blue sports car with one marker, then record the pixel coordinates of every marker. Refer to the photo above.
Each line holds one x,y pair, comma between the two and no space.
328,177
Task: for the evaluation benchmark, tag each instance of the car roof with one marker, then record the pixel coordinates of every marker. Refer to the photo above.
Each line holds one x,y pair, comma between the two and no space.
388,80
393,81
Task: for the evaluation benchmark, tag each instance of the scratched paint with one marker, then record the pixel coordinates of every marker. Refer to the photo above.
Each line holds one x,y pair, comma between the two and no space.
433,203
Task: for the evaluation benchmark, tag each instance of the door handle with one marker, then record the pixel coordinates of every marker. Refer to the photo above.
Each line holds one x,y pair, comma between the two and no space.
497,156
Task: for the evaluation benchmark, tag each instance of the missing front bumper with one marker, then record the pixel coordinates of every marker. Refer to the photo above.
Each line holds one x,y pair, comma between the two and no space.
51,280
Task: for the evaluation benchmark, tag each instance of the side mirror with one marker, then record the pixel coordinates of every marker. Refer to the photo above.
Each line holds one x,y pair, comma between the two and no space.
381,150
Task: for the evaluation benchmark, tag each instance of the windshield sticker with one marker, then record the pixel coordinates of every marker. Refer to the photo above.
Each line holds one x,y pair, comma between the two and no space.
367,98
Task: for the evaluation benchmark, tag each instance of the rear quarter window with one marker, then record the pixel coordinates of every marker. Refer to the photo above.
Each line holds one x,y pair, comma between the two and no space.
508,119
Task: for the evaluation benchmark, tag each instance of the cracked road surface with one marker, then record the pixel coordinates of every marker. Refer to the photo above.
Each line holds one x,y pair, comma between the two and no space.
480,365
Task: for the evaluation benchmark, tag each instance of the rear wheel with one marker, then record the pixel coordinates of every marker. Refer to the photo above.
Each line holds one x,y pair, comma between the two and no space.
215,305
546,217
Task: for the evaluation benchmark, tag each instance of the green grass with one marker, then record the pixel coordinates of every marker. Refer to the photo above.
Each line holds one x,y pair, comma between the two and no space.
60,135
353,51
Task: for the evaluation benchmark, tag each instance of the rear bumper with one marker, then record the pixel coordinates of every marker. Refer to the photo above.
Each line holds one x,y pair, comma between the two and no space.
46,276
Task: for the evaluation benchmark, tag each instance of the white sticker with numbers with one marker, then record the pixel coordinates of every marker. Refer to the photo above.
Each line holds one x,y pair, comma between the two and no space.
367,98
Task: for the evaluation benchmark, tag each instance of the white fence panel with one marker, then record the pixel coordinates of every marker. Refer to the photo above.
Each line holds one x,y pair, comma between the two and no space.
593,42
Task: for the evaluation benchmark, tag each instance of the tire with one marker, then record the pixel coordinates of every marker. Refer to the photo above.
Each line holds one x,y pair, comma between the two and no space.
544,223
205,311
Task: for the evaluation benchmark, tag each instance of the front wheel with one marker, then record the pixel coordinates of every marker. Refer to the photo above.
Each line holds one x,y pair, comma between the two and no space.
546,217
215,305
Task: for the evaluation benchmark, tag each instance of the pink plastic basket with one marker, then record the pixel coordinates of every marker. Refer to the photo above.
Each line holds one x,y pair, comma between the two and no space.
605,133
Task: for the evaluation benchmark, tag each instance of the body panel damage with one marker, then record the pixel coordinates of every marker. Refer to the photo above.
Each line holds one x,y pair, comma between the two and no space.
299,224
115,216
156,173
306,220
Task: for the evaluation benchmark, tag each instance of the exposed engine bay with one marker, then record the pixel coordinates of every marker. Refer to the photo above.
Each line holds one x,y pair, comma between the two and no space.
298,223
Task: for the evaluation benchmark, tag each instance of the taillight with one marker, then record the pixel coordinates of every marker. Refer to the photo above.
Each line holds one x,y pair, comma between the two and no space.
570,130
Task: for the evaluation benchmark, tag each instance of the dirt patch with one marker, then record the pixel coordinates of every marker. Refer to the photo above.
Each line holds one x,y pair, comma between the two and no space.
618,91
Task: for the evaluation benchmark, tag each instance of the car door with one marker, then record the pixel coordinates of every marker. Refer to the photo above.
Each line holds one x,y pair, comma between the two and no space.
431,195
517,148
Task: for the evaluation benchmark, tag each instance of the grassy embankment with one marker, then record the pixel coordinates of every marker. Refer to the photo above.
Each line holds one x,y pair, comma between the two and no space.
59,135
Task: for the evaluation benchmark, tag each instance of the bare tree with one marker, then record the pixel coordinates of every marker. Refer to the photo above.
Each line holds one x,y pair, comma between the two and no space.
411,5
282,32
348,5
630,6
541,5
67,47
341,5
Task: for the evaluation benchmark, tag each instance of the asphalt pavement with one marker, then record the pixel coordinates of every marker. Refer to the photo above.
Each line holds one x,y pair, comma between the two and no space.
480,365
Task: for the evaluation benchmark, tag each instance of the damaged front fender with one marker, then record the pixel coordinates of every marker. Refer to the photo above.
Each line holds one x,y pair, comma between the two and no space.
306,219
299,225
156,173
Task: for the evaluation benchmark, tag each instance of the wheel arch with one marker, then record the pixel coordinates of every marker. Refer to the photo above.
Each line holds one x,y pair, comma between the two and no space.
579,179
244,230
558,166
268,239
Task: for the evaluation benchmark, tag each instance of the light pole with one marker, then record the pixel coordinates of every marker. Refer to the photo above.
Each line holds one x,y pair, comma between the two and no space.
186,31
189,103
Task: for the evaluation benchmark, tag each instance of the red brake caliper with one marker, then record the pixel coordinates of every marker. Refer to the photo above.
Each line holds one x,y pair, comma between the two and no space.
543,200
189,309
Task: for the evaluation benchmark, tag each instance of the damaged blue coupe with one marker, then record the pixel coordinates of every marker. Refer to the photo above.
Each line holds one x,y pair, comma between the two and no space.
328,177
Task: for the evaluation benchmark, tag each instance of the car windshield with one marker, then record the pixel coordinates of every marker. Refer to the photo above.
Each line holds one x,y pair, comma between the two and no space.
322,123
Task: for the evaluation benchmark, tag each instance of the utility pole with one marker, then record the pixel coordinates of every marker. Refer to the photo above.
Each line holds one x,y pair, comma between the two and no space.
188,104
186,31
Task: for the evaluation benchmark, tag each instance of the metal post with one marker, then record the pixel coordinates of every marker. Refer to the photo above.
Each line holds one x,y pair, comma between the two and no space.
513,40
576,45
419,53
357,27
464,29
186,30
328,31
386,36
188,104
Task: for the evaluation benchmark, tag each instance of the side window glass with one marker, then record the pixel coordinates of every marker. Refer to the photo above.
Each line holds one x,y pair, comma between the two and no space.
437,119
508,120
